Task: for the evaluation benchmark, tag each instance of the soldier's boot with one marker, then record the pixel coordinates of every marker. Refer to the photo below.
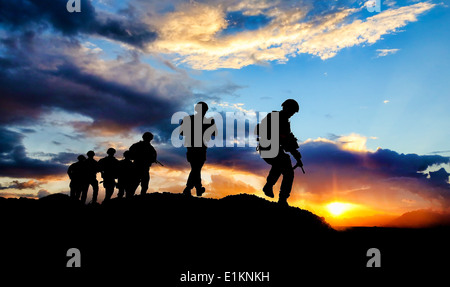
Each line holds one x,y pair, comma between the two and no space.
268,190
283,201
200,190
187,191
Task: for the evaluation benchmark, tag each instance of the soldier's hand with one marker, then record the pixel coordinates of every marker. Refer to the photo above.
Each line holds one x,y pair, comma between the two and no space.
299,164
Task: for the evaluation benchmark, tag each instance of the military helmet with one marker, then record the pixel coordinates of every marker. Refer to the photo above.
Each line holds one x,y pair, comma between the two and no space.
111,151
90,153
147,136
290,104
201,106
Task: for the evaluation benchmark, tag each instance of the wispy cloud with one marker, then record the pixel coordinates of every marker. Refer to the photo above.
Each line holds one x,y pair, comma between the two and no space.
386,52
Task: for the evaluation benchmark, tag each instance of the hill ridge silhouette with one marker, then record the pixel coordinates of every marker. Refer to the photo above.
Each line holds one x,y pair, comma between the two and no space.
238,202
171,233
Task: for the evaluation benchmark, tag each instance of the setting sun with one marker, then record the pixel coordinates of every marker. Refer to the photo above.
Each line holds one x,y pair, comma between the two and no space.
338,208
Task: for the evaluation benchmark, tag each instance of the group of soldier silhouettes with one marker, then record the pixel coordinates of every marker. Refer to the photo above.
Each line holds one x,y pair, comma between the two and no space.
134,169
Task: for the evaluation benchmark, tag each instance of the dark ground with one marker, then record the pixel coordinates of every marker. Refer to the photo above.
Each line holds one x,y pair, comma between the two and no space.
161,236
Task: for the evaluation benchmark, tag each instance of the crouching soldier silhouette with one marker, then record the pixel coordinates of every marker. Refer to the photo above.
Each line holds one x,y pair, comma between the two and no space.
128,177
276,127
91,174
109,167
144,155
77,175
193,129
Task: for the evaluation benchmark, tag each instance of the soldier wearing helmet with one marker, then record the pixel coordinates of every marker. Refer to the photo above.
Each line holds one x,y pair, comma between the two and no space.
281,162
193,129
77,175
109,167
91,173
128,179
144,155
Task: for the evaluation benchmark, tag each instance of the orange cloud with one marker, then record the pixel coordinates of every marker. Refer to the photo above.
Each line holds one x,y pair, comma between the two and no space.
193,33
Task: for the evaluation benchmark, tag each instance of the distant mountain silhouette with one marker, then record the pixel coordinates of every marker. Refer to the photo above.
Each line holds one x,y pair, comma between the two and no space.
420,219
379,220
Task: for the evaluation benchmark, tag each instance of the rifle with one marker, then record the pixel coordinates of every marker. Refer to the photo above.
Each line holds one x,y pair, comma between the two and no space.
158,162
299,164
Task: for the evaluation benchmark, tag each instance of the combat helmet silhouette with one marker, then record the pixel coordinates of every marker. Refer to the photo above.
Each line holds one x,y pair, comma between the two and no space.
194,128
144,155
109,167
92,169
77,175
281,163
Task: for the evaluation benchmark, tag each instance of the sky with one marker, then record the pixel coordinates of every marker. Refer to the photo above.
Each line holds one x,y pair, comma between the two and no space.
373,91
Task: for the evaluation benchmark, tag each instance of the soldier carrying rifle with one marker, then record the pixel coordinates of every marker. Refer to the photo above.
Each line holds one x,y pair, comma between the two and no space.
280,161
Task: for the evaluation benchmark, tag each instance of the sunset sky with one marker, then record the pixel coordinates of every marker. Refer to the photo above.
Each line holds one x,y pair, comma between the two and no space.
373,90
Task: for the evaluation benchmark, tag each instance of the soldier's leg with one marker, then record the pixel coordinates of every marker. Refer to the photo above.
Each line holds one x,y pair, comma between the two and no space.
288,178
145,179
84,192
78,192
190,183
108,184
82,187
73,189
198,184
130,189
194,174
108,194
198,177
94,184
121,192
121,186
272,177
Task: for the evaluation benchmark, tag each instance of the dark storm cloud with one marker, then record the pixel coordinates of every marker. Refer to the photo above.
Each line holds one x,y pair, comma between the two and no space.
383,161
8,140
380,174
330,168
15,184
124,104
14,161
64,157
19,165
28,90
35,14
53,72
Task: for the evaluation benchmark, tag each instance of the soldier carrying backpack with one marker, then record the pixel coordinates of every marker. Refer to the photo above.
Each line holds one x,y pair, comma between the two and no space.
143,155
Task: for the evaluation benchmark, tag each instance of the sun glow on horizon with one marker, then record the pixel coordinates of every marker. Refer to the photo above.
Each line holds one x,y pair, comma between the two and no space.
338,208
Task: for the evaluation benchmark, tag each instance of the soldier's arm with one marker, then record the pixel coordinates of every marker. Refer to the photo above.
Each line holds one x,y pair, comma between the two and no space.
69,172
292,146
99,166
132,151
213,124
155,154
181,124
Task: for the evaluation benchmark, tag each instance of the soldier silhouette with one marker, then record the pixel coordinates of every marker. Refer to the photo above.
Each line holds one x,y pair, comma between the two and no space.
128,177
143,154
91,175
77,175
109,167
193,129
281,163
